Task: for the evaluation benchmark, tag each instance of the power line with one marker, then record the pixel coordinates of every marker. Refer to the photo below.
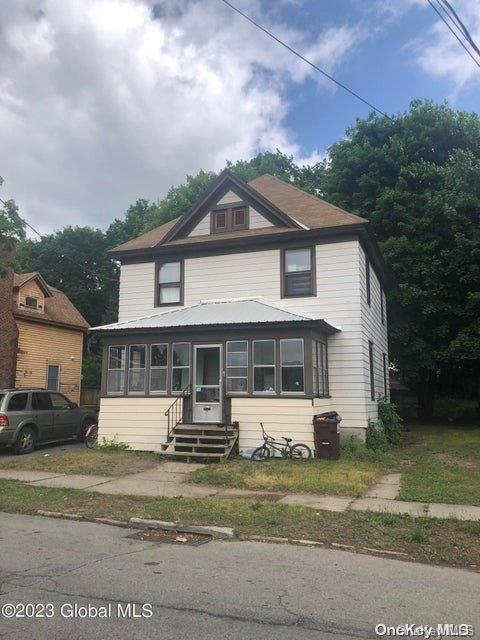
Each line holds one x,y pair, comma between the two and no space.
453,32
25,222
299,55
460,24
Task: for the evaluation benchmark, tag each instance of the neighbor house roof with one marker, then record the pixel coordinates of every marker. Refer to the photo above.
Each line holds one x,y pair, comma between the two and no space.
58,310
302,211
218,312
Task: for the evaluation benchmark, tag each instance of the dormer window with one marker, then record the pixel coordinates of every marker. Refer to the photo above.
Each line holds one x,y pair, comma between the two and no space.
31,303
229,219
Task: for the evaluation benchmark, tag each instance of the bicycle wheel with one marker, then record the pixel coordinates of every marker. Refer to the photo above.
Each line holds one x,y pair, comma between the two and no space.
261,453
300,452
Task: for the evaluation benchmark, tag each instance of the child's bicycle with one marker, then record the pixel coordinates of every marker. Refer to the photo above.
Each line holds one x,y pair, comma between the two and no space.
297,451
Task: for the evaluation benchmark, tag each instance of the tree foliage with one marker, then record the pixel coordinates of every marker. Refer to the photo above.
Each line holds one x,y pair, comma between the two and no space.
12,229
416,177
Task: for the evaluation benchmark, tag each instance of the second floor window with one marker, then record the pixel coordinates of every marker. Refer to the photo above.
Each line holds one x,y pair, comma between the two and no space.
169,285
298,272
30,302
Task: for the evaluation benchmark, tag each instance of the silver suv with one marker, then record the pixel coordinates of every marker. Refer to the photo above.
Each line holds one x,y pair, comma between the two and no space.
33,416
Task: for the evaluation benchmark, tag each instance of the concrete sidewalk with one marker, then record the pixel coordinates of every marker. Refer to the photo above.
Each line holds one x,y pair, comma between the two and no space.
170,480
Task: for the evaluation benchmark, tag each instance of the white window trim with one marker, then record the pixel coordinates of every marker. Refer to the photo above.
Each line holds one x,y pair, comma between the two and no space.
291,366
172,367
227,367
157,392
274,365
143,392
52,364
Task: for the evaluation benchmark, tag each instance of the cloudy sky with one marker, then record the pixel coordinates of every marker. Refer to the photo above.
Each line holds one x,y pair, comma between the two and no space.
105,101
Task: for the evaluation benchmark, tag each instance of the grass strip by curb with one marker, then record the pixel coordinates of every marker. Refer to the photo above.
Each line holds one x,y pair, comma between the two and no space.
444,542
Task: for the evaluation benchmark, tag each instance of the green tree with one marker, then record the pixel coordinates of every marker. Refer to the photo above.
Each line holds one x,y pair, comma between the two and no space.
416,177
12,228
75,260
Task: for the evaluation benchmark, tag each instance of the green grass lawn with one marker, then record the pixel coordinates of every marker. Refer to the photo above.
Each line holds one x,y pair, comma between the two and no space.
350,476
100,462
447,542
441,464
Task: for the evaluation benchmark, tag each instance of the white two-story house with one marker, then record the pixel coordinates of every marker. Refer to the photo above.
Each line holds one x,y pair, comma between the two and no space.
261,303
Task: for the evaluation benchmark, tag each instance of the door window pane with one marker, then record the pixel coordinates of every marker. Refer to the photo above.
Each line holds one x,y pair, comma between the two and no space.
237,366
53,377
264,366
41,402
18,402
59,402
136,369
291,360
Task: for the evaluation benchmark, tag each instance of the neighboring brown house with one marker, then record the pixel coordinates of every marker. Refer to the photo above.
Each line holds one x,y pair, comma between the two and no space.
50,336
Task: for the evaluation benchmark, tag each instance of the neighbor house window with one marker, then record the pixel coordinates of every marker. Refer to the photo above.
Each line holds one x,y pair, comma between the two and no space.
237,366
53,377
158,368
229,219
116,370
137,368
385,375
320,369
298,272
372,373
264,366
180,366
367,278
292,365
169,283
30,302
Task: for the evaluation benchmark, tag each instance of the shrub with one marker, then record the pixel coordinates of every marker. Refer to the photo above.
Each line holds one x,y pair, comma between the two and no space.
385,431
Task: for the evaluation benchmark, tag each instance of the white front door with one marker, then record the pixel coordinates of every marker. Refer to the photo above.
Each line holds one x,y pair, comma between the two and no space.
207,384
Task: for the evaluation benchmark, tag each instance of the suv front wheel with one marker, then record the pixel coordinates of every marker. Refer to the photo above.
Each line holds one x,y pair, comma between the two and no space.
25,442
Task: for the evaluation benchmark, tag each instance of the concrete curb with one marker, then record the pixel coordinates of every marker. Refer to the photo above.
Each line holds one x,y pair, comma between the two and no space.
218,532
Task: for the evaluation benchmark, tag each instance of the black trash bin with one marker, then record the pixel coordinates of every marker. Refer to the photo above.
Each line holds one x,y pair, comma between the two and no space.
326,431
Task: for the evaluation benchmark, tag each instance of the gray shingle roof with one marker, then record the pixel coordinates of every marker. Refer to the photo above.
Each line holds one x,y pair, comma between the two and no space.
215,312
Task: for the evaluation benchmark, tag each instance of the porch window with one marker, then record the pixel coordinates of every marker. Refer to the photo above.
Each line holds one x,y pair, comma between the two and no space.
136,369
158,368
180,366
320,369
53,377
264,366
170,277
298,272
116,370
292,365
237,366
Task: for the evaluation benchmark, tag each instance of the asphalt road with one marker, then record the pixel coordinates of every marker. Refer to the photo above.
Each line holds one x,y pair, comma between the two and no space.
227,590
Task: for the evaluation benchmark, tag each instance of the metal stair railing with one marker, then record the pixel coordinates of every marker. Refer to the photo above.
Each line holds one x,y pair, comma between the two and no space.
175,412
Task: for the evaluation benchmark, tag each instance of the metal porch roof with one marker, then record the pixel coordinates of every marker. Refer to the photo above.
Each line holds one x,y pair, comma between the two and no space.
216,312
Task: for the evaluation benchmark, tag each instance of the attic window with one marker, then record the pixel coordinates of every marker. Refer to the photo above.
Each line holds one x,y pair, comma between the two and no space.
229,219
30,302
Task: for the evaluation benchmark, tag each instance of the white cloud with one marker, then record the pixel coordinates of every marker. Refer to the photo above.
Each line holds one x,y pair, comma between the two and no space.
101,104
439,54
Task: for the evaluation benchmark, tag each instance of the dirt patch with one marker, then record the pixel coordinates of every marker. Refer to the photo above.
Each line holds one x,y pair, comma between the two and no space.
464,463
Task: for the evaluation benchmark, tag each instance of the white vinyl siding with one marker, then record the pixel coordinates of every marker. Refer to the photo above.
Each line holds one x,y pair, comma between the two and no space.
340,300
